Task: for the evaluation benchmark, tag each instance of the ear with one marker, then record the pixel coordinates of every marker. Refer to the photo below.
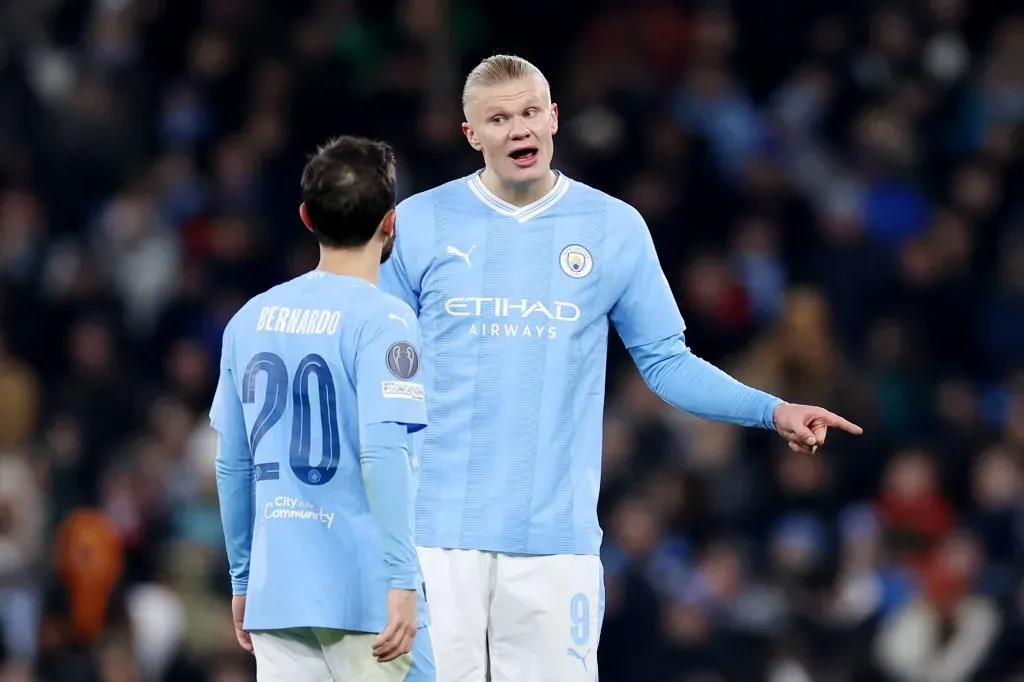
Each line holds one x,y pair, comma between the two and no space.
387,225
467,130
554,118
304,216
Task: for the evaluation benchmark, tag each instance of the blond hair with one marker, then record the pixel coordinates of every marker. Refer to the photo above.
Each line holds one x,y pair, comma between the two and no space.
501,68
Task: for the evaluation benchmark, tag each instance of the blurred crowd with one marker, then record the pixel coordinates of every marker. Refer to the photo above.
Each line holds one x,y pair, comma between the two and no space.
834,190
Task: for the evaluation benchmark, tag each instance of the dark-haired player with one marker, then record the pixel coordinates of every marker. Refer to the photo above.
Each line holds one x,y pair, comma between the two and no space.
319,395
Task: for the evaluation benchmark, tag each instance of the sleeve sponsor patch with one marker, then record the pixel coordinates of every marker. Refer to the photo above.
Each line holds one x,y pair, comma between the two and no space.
403,361
405,390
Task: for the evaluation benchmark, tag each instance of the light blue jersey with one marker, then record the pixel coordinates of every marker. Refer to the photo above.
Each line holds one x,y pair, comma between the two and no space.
309,368
515,305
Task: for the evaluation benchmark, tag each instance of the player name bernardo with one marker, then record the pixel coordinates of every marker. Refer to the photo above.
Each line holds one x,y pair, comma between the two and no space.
284,507
523,318
309,321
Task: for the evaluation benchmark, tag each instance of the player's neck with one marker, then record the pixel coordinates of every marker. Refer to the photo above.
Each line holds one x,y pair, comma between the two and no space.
519,193
351,263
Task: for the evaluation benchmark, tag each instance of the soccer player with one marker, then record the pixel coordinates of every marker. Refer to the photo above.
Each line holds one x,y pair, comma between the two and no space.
319,395
515,272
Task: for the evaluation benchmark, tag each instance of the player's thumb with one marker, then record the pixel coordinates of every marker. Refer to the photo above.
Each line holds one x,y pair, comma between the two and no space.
803,435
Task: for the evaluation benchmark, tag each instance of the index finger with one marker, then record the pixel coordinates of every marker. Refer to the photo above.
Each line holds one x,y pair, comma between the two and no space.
837,422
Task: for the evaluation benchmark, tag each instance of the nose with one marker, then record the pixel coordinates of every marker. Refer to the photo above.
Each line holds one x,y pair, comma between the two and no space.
519,129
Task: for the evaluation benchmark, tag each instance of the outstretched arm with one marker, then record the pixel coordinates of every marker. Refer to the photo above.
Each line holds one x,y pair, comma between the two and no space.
647,319
694,385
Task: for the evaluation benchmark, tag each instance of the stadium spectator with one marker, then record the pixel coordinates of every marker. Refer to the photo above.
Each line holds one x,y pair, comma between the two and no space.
833,190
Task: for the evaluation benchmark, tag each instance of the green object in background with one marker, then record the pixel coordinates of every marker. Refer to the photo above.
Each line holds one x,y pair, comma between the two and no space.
468,28
355,43
899,402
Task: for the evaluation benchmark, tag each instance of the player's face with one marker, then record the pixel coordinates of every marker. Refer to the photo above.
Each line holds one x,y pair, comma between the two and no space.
513,124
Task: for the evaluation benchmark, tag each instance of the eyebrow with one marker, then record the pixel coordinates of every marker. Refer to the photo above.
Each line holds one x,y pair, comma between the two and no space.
492,109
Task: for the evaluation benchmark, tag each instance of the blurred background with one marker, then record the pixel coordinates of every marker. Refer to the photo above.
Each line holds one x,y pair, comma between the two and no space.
834,188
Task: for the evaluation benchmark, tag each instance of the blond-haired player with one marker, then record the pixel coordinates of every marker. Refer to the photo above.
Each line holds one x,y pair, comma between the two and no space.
515,273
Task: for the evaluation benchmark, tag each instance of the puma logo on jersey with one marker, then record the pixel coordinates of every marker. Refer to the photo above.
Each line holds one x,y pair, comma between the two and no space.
454,251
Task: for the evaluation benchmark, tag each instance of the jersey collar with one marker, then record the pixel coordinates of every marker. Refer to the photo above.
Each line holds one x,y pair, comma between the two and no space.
519,213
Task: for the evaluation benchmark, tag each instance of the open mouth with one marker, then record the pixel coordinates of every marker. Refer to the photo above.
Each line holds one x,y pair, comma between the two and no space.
524,157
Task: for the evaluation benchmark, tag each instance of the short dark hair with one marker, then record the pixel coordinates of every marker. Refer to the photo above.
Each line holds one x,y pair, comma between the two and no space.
348,187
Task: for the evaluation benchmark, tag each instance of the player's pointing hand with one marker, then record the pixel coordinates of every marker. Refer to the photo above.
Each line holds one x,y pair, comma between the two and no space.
804,426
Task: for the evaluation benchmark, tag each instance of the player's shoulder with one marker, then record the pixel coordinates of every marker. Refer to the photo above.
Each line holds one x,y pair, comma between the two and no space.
382,303
620,213
422,202
417,219
414,206
249,309
277,295
379,309
271,296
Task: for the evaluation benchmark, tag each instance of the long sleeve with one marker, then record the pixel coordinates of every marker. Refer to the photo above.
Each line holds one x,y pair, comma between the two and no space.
235,490
388,480
694,385
236,478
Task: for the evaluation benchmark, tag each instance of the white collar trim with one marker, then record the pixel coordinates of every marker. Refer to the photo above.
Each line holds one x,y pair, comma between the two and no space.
519,213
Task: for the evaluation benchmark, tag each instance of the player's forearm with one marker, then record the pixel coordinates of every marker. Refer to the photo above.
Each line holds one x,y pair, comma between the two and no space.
235,490
694,385
387,476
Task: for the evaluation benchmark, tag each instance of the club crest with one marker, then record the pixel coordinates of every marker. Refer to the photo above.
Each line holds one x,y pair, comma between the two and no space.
576,261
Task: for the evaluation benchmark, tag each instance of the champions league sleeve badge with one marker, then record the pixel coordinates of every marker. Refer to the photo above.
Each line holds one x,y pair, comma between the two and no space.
403,361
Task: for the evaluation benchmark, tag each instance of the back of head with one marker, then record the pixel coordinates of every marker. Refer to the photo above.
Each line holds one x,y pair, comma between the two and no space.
348,187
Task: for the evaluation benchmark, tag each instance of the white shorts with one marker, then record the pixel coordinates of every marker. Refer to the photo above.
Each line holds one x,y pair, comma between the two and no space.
513,617
324,655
